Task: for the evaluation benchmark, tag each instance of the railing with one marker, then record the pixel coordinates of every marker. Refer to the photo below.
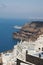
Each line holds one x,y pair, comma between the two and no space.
20,61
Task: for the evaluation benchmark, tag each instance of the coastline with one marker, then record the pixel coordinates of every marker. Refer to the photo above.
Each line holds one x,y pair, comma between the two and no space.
29,31
32,46
19,51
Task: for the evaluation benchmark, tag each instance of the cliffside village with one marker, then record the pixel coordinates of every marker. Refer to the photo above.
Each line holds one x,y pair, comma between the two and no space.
34,48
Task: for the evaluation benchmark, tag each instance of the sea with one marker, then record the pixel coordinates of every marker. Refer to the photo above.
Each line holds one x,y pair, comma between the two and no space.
6,32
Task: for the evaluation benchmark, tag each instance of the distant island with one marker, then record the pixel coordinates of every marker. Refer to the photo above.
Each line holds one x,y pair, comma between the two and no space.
29,31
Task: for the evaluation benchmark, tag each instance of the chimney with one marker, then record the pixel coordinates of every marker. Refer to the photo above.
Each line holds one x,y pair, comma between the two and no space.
26,54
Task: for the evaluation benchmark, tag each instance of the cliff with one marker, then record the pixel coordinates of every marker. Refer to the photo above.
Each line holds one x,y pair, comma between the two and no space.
30,31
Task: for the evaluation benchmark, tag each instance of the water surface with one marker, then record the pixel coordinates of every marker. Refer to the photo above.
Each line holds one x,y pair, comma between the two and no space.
6,30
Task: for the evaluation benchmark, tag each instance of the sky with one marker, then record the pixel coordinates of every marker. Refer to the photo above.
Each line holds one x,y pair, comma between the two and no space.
21,9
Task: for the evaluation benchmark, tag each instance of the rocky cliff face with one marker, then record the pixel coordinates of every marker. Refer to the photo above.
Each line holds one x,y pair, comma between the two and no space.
30,31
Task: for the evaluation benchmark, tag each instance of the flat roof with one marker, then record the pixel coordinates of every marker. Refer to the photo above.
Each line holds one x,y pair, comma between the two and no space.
37,54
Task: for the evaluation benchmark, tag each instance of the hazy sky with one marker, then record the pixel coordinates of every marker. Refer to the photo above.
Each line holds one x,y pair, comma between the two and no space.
21,8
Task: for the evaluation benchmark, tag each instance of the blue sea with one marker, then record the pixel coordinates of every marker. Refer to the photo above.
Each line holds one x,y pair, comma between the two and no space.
6,32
